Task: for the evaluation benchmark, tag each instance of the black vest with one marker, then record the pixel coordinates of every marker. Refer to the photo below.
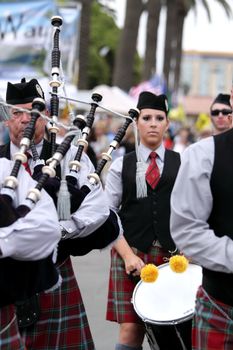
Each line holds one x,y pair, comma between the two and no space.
219,284
147,219
21,280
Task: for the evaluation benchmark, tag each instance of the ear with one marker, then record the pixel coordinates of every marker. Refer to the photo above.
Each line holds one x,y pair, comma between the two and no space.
6,123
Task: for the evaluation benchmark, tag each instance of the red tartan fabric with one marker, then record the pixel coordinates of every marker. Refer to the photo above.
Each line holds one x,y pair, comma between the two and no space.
119,307
63,321
10,338
212,326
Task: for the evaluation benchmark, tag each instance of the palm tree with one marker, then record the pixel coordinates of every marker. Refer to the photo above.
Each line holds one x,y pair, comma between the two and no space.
82,62
182,10
153,8
169,38
123,69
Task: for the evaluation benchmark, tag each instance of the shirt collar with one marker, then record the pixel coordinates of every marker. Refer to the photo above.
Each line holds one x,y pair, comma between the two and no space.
14,148
145,152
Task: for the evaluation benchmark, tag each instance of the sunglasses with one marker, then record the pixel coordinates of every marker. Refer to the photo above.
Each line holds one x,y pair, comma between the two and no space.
216,112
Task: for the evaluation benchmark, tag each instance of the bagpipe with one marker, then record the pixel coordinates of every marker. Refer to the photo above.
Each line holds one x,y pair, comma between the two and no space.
46,174
47,179
109,231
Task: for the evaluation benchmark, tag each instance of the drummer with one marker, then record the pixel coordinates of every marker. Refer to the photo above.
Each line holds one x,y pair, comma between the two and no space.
140,184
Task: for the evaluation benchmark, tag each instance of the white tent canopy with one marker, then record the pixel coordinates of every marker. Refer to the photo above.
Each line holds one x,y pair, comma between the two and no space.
113,99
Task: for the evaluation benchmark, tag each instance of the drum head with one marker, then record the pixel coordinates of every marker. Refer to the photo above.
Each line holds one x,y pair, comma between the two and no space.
171,298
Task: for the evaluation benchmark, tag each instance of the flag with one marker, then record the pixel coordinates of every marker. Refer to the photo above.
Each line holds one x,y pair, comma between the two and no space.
156,85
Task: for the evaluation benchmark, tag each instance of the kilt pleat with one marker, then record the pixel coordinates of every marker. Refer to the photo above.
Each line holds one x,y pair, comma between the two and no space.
212,324
10,338
119,306
63,323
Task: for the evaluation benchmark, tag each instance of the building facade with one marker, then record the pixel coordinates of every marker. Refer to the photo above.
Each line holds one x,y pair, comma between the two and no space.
206,73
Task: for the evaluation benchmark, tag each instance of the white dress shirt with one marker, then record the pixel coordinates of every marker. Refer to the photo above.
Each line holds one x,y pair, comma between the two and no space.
114,186
94,210
191,205
36,235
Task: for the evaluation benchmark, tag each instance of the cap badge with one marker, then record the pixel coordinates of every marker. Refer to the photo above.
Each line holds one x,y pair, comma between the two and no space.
39,90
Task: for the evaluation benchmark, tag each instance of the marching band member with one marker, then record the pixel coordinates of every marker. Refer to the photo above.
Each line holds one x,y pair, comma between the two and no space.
23,243
141,186
63,322
221,113
201,226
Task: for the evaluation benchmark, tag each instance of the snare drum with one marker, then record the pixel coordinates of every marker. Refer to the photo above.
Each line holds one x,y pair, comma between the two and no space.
170,300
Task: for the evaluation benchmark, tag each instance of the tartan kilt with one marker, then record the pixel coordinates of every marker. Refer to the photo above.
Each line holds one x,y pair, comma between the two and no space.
119,306
10,338
212,328
63,321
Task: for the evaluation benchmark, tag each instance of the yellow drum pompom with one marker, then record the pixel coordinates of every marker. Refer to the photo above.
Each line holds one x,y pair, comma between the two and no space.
149,273
178,263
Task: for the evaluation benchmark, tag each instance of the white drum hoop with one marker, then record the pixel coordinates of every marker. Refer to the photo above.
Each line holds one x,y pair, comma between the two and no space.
171,298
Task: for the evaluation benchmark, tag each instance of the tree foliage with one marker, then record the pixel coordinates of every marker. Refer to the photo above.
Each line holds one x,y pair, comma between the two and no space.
104,43
104,37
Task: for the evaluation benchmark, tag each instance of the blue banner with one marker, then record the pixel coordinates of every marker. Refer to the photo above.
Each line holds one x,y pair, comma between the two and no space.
24,29
26,38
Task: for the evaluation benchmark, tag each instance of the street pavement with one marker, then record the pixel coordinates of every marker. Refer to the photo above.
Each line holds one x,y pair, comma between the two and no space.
92,273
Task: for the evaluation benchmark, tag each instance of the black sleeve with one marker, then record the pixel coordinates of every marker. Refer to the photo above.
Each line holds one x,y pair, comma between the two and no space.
99,239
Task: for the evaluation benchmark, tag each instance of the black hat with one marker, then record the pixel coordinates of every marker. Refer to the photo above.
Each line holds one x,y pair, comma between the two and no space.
222,98
149,100
23,92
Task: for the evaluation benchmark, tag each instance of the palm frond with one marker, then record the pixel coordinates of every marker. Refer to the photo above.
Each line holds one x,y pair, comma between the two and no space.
226,7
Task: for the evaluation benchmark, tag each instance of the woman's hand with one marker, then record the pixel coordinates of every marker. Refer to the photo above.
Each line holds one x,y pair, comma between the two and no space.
133,264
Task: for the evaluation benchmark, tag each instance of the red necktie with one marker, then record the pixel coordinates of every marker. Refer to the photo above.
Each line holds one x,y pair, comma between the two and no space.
152,173
26,164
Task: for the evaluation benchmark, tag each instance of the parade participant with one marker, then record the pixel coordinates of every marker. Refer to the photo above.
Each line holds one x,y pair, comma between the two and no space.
201,226
139,188
23,243
63,322
221,113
